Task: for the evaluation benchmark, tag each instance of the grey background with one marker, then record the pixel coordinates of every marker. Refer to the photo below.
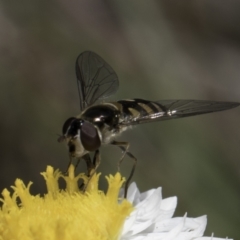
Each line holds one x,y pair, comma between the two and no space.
160,50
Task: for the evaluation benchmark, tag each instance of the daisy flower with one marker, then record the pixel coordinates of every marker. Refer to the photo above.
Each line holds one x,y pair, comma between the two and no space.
70,214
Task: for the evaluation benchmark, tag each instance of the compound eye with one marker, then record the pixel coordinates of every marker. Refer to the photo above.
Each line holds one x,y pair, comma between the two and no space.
67,124
89,137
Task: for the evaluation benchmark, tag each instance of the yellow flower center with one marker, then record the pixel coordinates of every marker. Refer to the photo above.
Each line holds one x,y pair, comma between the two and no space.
64,214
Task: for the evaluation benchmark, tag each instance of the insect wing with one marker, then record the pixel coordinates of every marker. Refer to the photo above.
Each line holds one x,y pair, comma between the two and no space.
95,78
186,108
142,111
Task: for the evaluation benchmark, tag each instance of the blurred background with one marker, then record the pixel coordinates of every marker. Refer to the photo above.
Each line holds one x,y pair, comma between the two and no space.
160,50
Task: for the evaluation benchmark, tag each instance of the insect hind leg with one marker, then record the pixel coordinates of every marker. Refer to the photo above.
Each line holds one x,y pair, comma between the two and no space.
124,147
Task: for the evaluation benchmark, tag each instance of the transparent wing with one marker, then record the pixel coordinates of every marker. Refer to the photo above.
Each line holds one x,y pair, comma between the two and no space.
147,111
95,78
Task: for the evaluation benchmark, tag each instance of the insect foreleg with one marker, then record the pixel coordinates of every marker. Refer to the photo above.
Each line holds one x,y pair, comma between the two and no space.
89,163
94,166
96,159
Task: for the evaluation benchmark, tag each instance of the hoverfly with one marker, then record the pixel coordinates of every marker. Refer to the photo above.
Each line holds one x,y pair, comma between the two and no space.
101,123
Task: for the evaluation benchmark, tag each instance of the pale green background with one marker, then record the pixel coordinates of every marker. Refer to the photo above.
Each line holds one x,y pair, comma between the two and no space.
168,49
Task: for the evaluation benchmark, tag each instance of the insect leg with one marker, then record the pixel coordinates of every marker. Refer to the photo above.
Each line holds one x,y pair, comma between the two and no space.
88,161
78,161
124,147
69,163
95,165
96,159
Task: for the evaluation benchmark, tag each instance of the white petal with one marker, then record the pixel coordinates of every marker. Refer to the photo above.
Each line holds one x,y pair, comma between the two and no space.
189,224
167,208
149,207
212,238
137,228
133,194
188,229
152,219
